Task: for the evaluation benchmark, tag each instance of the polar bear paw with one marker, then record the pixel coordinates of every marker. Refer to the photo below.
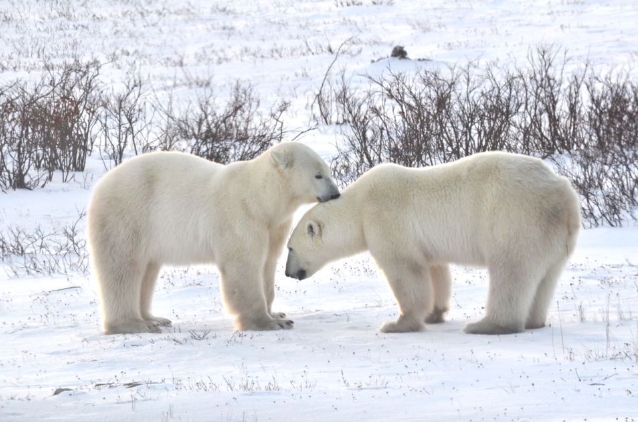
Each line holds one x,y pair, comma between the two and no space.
486,326
534,325
436,317
403,325
162,322
278,315
285,324
264,325
131,327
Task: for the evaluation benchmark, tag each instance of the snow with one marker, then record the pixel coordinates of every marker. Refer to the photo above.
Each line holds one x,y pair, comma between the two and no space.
334,365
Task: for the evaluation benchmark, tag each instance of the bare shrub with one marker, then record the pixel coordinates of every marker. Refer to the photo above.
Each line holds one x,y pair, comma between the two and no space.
604,167
125,121
431,117
54,124
48,126
236,130
328,99
167,137
18,158
585,123
348,3
39,252
69,110
551,118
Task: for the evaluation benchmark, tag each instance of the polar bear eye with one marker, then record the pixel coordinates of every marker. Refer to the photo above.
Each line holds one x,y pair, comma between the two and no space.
318,176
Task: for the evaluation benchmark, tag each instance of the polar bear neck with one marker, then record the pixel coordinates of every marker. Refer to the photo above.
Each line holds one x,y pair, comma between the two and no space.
271,201
341,219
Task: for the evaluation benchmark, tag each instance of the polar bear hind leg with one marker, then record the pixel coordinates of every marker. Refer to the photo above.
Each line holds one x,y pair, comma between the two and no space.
542,300
442,286
146,295
121,286
511,293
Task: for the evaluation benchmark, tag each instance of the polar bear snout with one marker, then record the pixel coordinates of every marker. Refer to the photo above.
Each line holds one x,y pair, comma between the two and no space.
299,275
292,267
333,193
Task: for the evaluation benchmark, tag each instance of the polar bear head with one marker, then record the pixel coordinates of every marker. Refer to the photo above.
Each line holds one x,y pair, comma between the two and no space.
307,174
325,233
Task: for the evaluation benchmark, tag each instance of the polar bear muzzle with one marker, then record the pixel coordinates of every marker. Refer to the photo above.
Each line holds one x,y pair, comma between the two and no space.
299,275
332,192
292,267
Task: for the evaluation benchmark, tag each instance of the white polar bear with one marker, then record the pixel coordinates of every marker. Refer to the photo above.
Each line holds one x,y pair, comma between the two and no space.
178,209
507,212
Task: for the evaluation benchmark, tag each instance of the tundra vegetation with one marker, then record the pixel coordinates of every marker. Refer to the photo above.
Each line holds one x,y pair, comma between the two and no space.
86,85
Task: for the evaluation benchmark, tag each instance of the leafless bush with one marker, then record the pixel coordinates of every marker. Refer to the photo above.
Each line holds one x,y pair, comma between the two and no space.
39,252
69,114
585,123
327,103
348,3
236,130
17,150
431,117
48,126
125,121
604,166
167,137
552,115
52,125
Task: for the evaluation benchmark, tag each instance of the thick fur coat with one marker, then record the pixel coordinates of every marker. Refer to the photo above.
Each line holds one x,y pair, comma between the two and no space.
507,212
178,209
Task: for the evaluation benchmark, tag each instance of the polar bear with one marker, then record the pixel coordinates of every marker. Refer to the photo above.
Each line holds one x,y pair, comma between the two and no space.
507,212
178,209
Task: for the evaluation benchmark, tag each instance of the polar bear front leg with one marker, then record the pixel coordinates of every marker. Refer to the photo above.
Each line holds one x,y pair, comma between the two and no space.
242,288
442,286
146,295
269,286
412,288
277,240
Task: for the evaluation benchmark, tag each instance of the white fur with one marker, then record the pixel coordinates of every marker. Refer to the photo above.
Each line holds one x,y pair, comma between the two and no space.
177,209
507,212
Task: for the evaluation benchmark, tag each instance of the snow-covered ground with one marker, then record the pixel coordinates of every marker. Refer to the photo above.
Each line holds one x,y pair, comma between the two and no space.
334,365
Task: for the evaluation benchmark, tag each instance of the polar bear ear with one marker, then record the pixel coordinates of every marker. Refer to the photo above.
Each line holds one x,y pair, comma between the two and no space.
280,158
313,229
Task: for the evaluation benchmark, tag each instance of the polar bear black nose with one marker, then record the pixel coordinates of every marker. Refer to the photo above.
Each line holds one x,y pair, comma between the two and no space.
328,197
301,274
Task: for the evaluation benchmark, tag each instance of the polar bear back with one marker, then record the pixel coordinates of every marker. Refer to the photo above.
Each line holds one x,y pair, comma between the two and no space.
467,211
168,190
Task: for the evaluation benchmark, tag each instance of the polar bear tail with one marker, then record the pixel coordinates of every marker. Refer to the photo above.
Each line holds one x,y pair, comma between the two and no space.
574,220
